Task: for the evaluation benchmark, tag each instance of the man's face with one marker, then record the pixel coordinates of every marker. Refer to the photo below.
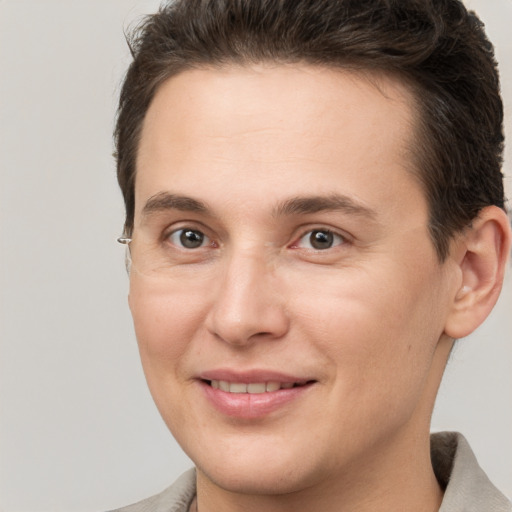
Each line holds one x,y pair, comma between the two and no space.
281,240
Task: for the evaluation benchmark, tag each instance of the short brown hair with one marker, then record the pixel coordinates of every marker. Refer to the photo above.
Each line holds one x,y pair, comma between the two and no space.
437,46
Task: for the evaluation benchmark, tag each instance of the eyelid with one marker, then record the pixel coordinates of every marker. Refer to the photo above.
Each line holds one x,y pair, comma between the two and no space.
206,241
347,239
301,232
192,226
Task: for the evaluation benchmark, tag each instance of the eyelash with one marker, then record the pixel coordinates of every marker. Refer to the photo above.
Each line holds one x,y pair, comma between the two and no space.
187,229
330,236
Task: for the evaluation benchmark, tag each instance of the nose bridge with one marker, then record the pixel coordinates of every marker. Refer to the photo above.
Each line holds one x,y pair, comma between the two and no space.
248,304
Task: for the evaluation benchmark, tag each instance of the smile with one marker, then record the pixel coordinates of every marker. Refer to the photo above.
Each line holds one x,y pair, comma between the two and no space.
252,387
250,397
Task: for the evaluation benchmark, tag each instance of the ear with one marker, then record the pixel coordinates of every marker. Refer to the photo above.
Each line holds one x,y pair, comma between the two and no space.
481,254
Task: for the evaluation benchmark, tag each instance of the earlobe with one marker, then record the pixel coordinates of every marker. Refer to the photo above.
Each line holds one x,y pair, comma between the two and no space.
482,257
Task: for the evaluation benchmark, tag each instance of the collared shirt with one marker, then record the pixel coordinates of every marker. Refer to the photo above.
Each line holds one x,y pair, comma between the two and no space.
466,486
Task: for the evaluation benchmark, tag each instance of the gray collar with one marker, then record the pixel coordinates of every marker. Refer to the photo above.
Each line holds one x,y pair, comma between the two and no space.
467,488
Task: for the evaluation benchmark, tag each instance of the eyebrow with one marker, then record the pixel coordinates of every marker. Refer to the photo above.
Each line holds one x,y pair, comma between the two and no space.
300,205
315,204
164,201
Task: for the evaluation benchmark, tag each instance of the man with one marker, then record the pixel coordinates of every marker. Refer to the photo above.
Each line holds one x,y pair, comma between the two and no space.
315,213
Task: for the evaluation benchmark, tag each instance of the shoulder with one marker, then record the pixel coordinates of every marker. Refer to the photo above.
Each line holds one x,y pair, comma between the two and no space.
467,487
175,498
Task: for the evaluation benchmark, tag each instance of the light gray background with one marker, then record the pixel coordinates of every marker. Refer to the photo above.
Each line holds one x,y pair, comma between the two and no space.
78,429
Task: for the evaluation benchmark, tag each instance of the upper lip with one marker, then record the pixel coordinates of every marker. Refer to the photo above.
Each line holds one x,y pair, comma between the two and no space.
254,375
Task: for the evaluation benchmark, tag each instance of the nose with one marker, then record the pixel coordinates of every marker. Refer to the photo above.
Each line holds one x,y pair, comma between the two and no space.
247,304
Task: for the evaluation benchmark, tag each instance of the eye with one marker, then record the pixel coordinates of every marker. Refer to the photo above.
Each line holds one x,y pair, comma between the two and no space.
189,238
319,240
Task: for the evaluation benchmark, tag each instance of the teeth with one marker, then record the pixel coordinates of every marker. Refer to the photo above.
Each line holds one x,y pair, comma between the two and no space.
237,387
273,386
252,387
256,388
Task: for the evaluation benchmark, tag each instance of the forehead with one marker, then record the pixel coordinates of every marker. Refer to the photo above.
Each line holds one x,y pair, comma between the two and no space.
280,126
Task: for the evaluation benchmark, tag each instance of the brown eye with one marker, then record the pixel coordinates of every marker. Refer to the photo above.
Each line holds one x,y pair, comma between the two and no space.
189,238
320,239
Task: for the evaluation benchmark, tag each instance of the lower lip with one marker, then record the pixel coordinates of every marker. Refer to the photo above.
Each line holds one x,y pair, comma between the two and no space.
251,405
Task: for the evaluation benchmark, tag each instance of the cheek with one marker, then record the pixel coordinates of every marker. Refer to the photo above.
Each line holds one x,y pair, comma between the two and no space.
165,322
375,326
379,341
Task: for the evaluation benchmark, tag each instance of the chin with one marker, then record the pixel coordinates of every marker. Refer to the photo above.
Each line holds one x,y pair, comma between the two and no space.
260,466
258,480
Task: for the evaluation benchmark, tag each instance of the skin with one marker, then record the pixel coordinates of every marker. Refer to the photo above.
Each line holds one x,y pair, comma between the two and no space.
370,320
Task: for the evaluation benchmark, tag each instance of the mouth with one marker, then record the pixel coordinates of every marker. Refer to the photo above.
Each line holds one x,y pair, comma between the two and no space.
253,387
252,397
